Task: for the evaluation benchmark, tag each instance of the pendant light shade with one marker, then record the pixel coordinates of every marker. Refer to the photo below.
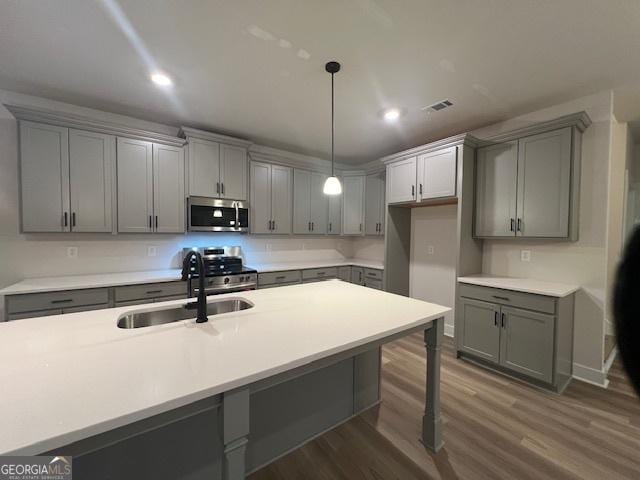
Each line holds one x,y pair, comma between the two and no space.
332,185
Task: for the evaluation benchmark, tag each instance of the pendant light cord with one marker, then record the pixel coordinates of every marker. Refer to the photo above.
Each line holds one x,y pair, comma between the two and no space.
333,130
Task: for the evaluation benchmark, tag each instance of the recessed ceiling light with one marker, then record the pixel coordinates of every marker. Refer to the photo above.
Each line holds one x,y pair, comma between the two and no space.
391,114
161,79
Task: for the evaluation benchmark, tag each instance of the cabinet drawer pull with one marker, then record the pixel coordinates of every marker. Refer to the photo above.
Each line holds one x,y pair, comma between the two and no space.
498,297
519,227
495,319
150,222
281,277
64,219
218,188
319,274
512,226
360,227
420,189
313,226
273,225
156,222
153,291
502,319
222,188
309,226
73,219
65,300
329,226
413,190
369,274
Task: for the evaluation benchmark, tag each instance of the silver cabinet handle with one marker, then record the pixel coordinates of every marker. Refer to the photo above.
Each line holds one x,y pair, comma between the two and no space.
498,297
66,300
151,292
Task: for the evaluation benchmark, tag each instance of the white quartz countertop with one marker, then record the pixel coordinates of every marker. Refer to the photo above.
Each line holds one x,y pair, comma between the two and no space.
72,376
527,285
75,282
304,264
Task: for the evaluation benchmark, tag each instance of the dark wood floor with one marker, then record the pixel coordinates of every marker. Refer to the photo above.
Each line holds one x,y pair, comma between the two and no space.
495,428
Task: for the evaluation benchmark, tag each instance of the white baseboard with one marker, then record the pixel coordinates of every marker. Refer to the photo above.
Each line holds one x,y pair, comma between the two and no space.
590,375
448,330
609,361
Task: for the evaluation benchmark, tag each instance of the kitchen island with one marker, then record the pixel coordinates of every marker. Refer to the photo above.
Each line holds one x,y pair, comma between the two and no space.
213,400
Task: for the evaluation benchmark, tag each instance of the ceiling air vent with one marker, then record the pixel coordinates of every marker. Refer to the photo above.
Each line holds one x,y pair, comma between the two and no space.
436,107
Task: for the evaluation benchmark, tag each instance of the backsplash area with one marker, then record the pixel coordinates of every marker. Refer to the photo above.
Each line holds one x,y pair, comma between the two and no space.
107,253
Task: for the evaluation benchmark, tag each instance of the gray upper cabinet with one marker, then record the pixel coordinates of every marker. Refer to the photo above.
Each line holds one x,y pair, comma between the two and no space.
135,186
334,225
480,329
353,205
44,172
437,174
168,189
401,181
544,184
150,187
91,171
310,204
270,198
204,167
216,169
524,187
66,179
233,172
496,181
374,206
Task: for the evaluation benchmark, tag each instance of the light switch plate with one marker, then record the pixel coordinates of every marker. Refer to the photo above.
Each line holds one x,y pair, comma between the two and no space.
72,252
525,255
430,249
151,251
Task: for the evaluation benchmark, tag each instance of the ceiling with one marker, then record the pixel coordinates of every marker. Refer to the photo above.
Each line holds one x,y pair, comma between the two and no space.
256,69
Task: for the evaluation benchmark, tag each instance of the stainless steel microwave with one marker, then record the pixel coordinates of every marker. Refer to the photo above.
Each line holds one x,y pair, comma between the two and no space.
216,215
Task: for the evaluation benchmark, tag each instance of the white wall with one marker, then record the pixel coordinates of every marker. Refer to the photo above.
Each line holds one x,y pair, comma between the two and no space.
432,276
582,262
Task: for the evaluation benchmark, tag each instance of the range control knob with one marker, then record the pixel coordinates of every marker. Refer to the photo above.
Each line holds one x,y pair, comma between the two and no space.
226,280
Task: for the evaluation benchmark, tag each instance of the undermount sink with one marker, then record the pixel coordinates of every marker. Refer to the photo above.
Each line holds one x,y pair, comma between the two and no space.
140,319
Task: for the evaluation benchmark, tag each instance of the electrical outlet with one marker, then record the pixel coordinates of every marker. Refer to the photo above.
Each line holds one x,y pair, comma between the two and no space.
72,252
430,249
151,251
525,255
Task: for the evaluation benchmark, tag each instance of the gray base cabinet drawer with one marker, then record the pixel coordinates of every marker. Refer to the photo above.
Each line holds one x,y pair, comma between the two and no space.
372,273
528,301
33,302
41,313
150,291
318,273
279,278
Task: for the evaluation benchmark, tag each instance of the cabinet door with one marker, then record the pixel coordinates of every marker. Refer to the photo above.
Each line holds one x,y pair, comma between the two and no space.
91,166
168,189
437,174
527,343
353,205
344,273
204,168
233,172
496,181
401,181
301,201
544,184
135,186
374,188
357,275
319,204
334,227
260,200
480,331
281,198
44,175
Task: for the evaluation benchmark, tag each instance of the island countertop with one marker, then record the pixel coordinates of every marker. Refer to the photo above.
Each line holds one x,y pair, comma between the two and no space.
72,376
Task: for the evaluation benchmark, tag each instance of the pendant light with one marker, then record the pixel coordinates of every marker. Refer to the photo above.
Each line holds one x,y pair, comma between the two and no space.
332,185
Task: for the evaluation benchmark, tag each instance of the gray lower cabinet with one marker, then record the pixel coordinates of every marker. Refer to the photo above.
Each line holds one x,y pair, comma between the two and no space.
150,292
344,273
526,335
357,275
369,277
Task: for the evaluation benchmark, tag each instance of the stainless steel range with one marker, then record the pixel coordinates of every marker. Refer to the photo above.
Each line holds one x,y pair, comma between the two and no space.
224,271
